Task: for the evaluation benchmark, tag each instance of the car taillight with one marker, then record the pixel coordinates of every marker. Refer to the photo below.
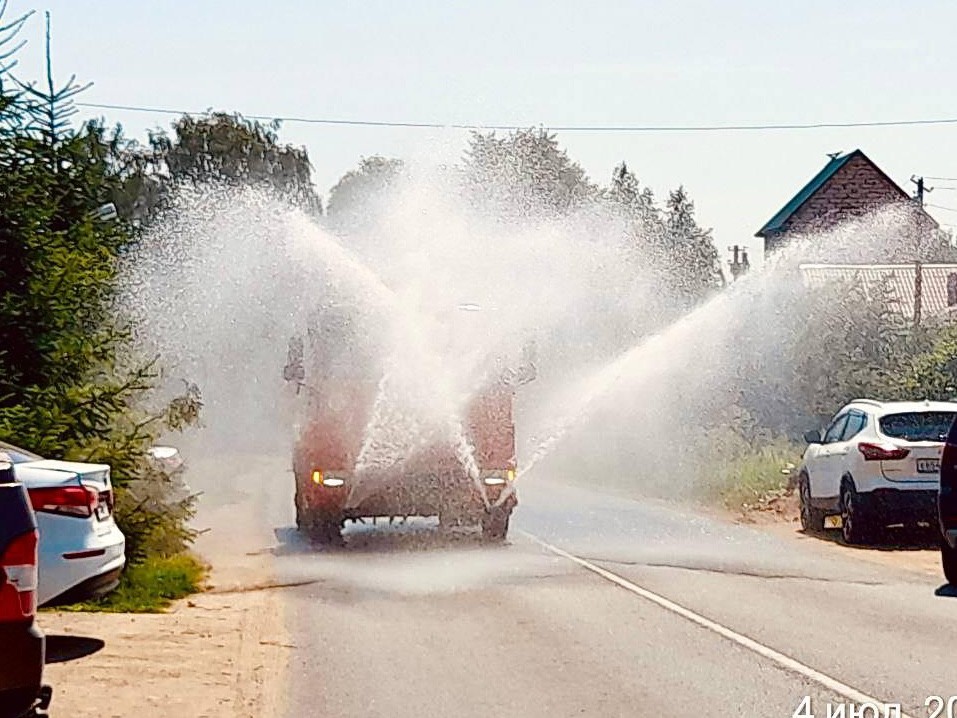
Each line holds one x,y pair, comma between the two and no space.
66,500
882,452
18,578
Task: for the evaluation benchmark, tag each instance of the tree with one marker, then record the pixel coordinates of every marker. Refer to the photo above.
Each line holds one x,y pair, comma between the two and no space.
69,384
356,198
524,175
636,205
690,249
853,344
218,148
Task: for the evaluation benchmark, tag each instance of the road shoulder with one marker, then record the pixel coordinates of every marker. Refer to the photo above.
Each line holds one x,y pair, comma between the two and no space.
218,653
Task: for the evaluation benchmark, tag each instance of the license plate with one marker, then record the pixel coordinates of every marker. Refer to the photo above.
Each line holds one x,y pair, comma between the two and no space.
928,466
102,511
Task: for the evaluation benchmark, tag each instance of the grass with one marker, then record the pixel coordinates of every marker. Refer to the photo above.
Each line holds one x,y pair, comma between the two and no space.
151,586
750,479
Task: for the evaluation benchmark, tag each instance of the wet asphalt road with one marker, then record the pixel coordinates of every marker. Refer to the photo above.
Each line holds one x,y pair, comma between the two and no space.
412,621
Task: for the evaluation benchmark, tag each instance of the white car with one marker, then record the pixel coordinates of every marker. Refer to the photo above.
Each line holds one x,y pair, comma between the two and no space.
82,551
876,464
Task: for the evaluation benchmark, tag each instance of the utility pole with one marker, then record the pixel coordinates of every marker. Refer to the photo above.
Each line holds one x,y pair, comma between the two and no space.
918,269
739,262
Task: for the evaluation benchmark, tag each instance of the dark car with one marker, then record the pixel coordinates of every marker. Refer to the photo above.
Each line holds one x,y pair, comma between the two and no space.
947,506
22,692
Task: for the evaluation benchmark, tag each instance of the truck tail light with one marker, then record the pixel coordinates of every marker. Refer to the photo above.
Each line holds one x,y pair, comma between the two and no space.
18,578
882,452
65,500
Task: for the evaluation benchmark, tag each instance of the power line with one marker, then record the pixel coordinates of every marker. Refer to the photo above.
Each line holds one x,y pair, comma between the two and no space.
937,206
942,179
558,128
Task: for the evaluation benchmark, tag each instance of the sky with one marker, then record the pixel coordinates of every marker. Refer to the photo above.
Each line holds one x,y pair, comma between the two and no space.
550,63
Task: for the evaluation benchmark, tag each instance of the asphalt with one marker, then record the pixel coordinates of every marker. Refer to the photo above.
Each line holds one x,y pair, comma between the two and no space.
648,609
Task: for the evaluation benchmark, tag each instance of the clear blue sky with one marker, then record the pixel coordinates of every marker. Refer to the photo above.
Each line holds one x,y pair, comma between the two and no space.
554,62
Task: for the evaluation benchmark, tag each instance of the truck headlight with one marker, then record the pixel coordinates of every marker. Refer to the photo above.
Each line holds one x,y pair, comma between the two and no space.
498,477
321,479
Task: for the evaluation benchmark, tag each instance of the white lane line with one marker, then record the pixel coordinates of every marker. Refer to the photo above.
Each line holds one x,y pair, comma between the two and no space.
782,660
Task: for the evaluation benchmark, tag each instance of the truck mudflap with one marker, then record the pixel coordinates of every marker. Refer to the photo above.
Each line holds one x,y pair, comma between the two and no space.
507,496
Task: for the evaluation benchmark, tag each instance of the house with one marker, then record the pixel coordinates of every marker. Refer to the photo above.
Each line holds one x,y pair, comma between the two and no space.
849,185
938,285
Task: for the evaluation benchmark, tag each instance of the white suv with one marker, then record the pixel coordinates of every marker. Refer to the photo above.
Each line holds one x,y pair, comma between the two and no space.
877,463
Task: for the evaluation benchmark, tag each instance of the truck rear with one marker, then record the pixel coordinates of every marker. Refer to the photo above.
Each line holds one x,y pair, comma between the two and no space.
435,480
464,473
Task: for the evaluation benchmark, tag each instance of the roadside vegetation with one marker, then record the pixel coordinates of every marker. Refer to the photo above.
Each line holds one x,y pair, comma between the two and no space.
753,477
72,383
152,585
852,345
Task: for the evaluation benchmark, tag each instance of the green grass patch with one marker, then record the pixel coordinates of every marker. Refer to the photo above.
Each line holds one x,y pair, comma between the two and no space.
150,586
751,478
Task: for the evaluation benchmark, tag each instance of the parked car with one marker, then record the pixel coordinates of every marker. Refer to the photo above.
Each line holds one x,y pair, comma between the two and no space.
947,507
82,551
876,464
171,462
22,692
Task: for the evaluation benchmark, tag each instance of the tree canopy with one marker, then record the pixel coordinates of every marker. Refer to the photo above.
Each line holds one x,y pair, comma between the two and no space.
217,148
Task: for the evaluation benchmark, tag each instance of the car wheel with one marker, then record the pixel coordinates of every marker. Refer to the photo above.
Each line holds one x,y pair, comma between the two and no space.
948,560
855,524
812,519
326,531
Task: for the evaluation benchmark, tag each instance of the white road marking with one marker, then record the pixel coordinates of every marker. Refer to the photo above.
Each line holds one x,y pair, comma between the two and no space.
782,660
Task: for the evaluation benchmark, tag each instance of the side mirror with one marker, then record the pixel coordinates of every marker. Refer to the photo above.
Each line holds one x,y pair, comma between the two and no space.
813,436
106,212
294,369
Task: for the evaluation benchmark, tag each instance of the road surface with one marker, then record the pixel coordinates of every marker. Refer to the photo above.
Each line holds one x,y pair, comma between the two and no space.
598,605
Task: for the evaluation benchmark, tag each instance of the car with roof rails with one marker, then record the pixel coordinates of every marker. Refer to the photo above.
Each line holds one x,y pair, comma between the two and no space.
875,464
22,644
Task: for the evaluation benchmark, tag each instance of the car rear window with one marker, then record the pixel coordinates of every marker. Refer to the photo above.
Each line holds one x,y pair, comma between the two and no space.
918,425
18,455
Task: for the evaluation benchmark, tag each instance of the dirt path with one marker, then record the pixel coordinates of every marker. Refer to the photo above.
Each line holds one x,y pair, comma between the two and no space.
220,653
903,550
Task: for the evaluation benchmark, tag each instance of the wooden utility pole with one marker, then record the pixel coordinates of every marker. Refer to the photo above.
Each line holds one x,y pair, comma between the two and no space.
918,269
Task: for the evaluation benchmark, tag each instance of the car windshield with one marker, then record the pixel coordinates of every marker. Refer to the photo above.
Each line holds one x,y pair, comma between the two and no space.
918,425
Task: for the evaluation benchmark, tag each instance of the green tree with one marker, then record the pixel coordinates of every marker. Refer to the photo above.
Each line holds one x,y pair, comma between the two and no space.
690,249
218,148
853,344
523,175
932,373
356,198
69,385
644,223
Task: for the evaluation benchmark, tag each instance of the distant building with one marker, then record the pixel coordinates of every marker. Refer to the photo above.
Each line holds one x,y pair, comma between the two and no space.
938,287
848,186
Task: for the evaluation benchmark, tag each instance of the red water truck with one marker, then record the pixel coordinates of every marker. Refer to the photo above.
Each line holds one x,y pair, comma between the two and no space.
432,481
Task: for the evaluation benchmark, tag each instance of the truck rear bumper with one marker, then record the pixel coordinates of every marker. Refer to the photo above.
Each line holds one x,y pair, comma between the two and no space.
404,496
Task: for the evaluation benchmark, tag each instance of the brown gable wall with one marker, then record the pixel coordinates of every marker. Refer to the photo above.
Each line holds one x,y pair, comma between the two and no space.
855,188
